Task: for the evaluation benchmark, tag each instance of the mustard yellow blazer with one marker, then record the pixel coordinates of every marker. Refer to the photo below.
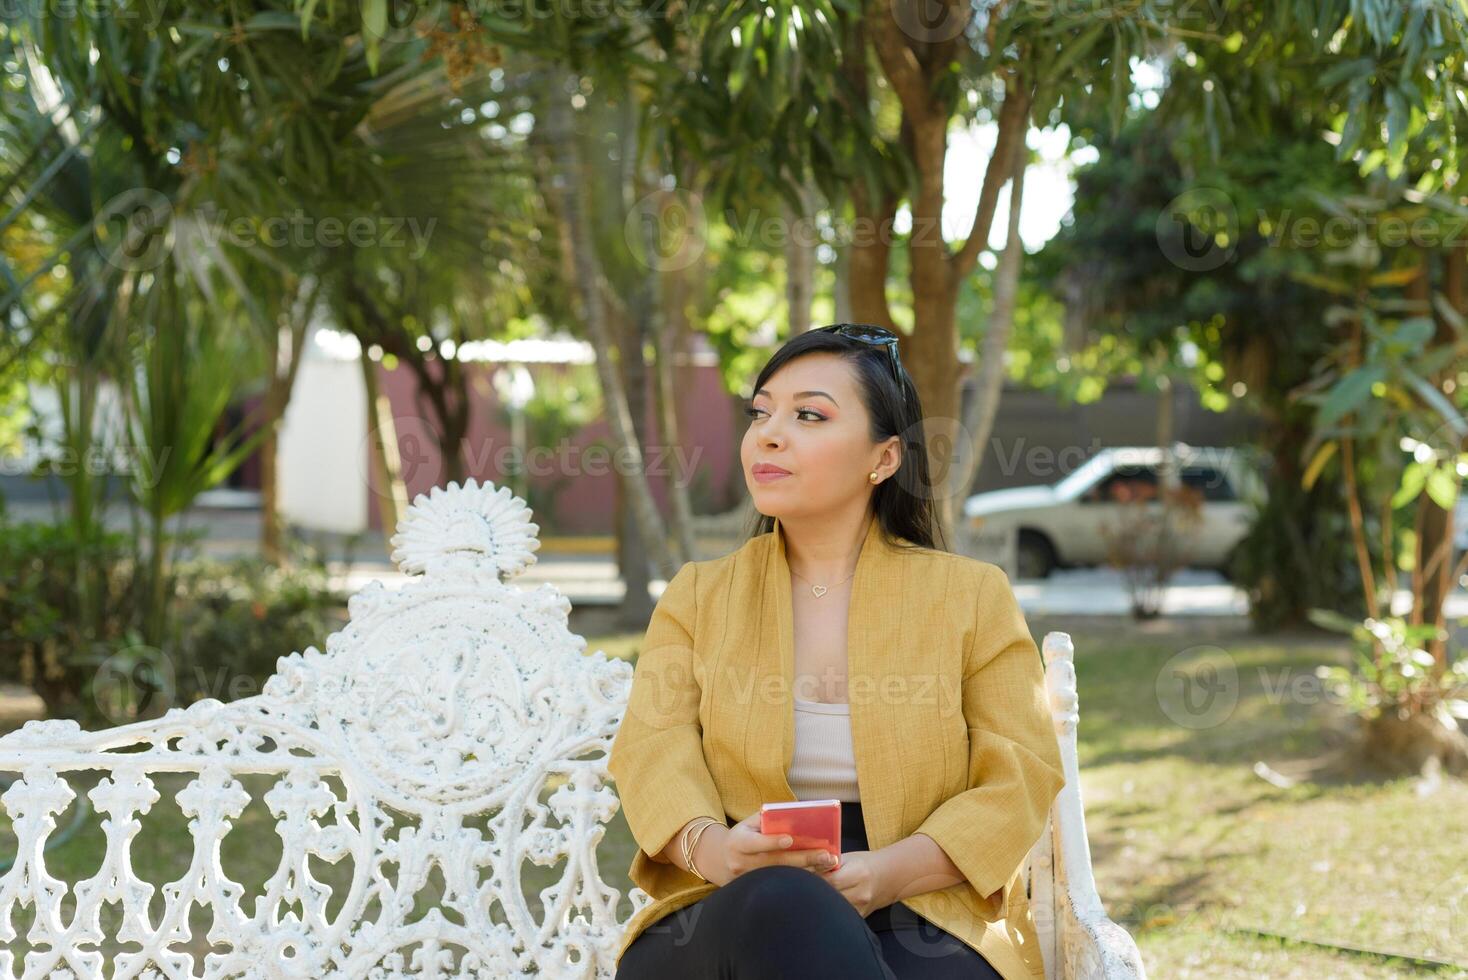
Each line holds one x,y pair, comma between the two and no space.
949,725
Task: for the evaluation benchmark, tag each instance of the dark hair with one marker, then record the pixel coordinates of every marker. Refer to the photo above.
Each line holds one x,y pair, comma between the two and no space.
904,502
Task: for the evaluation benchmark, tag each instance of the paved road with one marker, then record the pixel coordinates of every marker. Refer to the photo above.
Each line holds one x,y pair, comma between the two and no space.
591,580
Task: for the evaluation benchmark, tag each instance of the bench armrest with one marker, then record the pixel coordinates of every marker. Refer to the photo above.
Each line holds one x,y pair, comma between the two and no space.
1081,942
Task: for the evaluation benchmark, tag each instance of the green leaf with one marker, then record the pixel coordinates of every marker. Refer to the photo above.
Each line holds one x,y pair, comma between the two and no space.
1317,463
1349,393
274,20
374,26
1415,331
1397,117
1354,125
1414,477
1355,68
1323,282
1449,314
374,17
1119,79
1442,486
1431,394
307,11
1331,620
1073,49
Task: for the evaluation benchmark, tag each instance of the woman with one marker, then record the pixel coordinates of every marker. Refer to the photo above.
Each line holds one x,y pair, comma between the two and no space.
838,653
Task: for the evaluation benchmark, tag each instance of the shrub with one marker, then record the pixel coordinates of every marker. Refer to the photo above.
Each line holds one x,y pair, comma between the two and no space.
72,609
236,618
68,597
1408,703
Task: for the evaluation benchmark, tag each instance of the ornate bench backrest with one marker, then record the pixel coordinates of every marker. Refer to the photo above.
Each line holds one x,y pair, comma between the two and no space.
453,731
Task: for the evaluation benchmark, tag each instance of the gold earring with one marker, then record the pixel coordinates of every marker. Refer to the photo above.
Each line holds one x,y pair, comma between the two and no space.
872,476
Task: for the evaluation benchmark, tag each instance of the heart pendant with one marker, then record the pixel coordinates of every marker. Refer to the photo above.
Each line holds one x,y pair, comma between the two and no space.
819,590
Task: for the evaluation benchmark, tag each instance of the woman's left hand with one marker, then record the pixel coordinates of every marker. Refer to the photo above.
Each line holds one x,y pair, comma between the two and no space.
861,879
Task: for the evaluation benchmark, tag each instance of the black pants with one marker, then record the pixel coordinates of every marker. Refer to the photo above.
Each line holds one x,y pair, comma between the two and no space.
780,922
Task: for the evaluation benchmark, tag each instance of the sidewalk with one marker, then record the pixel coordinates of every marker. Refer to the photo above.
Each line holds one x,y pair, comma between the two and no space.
583,569
590,580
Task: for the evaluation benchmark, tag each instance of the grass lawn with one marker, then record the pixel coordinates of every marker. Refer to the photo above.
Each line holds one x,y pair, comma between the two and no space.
1195,853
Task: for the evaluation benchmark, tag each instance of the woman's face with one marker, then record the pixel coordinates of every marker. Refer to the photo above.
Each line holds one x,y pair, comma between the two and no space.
809,421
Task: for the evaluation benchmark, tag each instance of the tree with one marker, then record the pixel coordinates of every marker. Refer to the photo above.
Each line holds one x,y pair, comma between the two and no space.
1375,317
1384,82
861,101
134,308
584,267
1136,290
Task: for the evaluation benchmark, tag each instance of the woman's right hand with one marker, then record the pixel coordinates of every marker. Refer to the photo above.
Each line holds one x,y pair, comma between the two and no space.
743,848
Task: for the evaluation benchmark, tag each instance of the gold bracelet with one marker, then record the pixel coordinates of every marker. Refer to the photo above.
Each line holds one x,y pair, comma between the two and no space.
683,837
690,842
687,847
693,846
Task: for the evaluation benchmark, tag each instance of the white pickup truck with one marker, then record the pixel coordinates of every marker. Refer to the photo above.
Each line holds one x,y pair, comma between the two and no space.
1060,525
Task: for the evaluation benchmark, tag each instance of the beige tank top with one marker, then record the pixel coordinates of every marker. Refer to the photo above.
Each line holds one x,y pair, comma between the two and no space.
823,766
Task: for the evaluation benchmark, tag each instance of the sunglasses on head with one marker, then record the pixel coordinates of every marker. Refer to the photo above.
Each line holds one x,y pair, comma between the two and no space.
876,336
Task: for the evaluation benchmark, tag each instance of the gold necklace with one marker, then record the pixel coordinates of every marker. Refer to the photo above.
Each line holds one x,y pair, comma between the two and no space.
820,590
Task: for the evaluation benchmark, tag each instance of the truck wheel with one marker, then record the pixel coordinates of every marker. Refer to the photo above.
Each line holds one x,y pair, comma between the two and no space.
1035,555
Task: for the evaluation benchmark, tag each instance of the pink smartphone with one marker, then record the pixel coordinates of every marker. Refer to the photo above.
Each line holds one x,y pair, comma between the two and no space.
810,824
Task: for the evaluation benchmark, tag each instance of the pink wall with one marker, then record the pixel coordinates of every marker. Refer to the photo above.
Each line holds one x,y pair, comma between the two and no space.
586,502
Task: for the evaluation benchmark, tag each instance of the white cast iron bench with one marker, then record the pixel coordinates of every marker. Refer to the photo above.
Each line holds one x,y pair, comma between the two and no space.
447,747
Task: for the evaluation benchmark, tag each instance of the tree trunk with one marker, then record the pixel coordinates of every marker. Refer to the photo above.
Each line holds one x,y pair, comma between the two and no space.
1297,579
1456,288
868,257
932,361
632,548
583,267
672,330
669,292
1165,413
392,496
978,420
800,261
636,607
270,529
442,392
867,250
842,287
455,420
442,382
1432,569
915,71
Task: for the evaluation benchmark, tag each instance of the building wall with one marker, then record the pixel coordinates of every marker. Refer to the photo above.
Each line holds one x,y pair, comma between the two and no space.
579,480
330,483
322,451
1035,440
